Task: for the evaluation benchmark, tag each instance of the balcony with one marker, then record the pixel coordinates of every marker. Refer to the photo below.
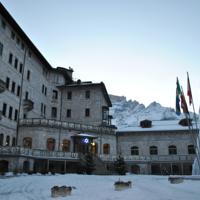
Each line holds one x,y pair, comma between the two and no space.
66,125
36,153
27,105
2,86
152,158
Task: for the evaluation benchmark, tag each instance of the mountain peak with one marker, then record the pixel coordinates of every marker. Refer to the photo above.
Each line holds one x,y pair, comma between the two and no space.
127,113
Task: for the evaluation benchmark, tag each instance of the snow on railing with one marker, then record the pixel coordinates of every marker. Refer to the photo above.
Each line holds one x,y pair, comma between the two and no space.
67,125
37,153
156,158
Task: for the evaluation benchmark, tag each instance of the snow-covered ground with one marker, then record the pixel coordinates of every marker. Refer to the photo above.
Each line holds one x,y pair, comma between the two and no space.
91,187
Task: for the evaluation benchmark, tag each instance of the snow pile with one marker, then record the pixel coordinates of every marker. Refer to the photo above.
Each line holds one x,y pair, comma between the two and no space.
90,187
130,113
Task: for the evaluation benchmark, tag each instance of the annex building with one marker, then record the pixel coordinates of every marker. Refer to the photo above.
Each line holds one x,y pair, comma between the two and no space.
48,121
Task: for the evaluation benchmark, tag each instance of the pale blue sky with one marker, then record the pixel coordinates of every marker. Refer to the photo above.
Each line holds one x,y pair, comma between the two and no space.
136,47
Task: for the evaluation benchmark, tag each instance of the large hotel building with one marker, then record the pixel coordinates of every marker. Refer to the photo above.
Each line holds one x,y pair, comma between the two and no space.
48,121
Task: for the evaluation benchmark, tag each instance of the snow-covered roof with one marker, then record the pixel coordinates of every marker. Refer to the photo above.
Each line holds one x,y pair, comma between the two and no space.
166,125
84,135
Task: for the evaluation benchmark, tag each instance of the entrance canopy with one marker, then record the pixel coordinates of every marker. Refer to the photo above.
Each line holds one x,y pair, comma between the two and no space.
83,142
84,135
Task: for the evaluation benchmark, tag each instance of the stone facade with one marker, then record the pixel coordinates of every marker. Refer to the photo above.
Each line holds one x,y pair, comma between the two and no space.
157,151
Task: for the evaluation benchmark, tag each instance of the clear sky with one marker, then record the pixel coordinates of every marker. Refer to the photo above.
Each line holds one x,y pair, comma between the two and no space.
136,47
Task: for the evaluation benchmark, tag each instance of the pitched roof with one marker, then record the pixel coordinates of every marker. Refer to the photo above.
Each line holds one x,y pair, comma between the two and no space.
157,126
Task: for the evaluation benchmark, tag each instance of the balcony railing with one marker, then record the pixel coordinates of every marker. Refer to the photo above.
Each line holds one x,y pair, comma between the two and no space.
152,158
66,125
36,153
27,105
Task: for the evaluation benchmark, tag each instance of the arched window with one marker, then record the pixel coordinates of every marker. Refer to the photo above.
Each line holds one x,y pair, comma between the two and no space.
13,141
51,144
172,150
26,166
4,166
66,145
153,150
94,148
27,142
134,150
106,149
7,140
1,139
191,149
135,169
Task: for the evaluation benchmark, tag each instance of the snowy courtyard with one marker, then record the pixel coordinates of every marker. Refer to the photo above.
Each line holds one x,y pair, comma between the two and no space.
92,187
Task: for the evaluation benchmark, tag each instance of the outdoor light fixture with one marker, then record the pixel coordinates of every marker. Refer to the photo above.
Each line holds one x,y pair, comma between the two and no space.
86,140
93,144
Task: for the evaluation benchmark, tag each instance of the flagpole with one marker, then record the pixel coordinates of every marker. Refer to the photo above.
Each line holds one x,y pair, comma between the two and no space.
197,140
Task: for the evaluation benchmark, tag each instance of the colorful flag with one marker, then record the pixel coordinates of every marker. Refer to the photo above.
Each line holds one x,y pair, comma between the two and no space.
183,103
189,91
178,93
178,88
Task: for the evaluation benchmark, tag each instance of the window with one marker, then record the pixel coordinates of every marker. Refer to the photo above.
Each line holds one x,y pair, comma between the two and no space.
18,41
7,140
16,63
27,142
4,109
45,91
16,115
29,54
18,90
44,109
53,112
20,68
1,139
41,108
51,144
69,95
22,46
42,89
153,150
13,87
106,149
13,141
55,94
66,145
10,58
7,83
12,35
172,150
25,116
26,95
134,150
3,24
87,112
87,94
105,112
191,149
1,49
28,75
68,112
10,112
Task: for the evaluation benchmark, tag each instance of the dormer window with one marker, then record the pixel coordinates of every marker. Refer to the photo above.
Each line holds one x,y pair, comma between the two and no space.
146,123
185,122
